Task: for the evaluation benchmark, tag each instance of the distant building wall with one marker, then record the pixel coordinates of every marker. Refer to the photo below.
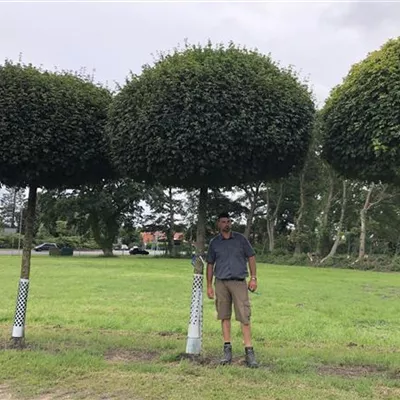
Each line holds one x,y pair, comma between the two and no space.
8,231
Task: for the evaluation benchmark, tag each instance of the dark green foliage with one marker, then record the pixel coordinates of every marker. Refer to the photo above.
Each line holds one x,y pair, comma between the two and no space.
10,241
361,119
51,128
211,117
101,208
107,206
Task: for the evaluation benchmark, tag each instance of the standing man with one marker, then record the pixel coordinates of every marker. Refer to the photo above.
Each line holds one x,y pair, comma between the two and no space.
227,258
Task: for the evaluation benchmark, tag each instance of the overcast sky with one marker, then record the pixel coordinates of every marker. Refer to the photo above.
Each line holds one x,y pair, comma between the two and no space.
322,40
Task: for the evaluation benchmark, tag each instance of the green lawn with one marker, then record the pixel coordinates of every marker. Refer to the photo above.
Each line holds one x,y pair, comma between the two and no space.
102,328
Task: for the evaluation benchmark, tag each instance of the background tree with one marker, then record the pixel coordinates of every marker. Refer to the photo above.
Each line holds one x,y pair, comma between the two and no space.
130,234
51,131
60,205
361,119
339,226
107,206
361,125
252,197
97,210
11,203
166,207
273,196
211,117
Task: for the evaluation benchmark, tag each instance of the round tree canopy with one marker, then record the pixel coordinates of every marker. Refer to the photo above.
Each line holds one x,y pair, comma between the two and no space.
361,119
51,128
212,117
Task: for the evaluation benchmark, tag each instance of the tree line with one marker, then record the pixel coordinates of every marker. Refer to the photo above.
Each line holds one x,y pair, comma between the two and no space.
205,129
314,217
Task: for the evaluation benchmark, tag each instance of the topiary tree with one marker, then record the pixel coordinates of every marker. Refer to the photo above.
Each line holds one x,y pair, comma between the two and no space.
361,119
210,117
52,136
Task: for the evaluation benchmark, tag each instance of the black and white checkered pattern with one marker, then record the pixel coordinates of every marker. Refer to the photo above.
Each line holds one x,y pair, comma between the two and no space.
22,300
196,306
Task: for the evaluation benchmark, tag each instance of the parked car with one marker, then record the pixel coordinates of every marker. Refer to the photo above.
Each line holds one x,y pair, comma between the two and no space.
45,247
120,247
135,250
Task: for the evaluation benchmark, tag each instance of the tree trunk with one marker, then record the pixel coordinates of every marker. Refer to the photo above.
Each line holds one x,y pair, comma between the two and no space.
272,220
249,221
201,221
270,224
253,198
109,238
363,223
324,238
14,206
107,241
363,233
264,245
107,251
104,241
22,299
298,219
29,227
340,225
271,236
171,244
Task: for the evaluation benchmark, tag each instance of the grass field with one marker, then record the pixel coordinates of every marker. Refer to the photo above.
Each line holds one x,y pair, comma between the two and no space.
102,328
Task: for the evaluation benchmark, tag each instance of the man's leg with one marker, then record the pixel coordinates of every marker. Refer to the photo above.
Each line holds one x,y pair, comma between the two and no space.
226,333
223,302
246,331
241,304
226,330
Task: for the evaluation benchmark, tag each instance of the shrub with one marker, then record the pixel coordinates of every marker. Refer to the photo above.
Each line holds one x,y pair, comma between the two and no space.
11,241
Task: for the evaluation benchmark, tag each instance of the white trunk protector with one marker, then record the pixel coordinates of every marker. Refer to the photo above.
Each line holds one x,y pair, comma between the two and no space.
194,338
20,311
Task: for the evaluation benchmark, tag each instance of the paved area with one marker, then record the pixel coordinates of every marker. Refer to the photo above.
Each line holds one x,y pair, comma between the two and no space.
8,252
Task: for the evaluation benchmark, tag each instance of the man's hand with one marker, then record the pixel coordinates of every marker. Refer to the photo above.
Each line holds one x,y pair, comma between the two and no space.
210,292
252,285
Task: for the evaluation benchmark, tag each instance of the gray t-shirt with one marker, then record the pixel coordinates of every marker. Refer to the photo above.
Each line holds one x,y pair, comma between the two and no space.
230,256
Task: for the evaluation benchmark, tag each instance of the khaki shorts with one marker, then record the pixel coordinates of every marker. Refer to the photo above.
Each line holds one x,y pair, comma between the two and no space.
228,292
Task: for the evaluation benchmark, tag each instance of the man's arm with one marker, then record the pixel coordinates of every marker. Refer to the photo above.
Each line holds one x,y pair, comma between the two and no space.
210,270
253,274
210,273
250,255
252,267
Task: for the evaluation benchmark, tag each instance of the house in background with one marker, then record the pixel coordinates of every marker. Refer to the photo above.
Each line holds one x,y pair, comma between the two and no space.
5,231
154,237
178,238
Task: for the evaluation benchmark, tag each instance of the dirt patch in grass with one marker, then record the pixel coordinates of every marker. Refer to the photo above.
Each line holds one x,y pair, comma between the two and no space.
395,374
175,335
3,345
384,392
212,361
53,396
119,355
8,344
350,371
4,393
195,359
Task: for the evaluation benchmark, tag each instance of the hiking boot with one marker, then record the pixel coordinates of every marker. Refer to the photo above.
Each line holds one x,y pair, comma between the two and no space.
250,358
227,359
